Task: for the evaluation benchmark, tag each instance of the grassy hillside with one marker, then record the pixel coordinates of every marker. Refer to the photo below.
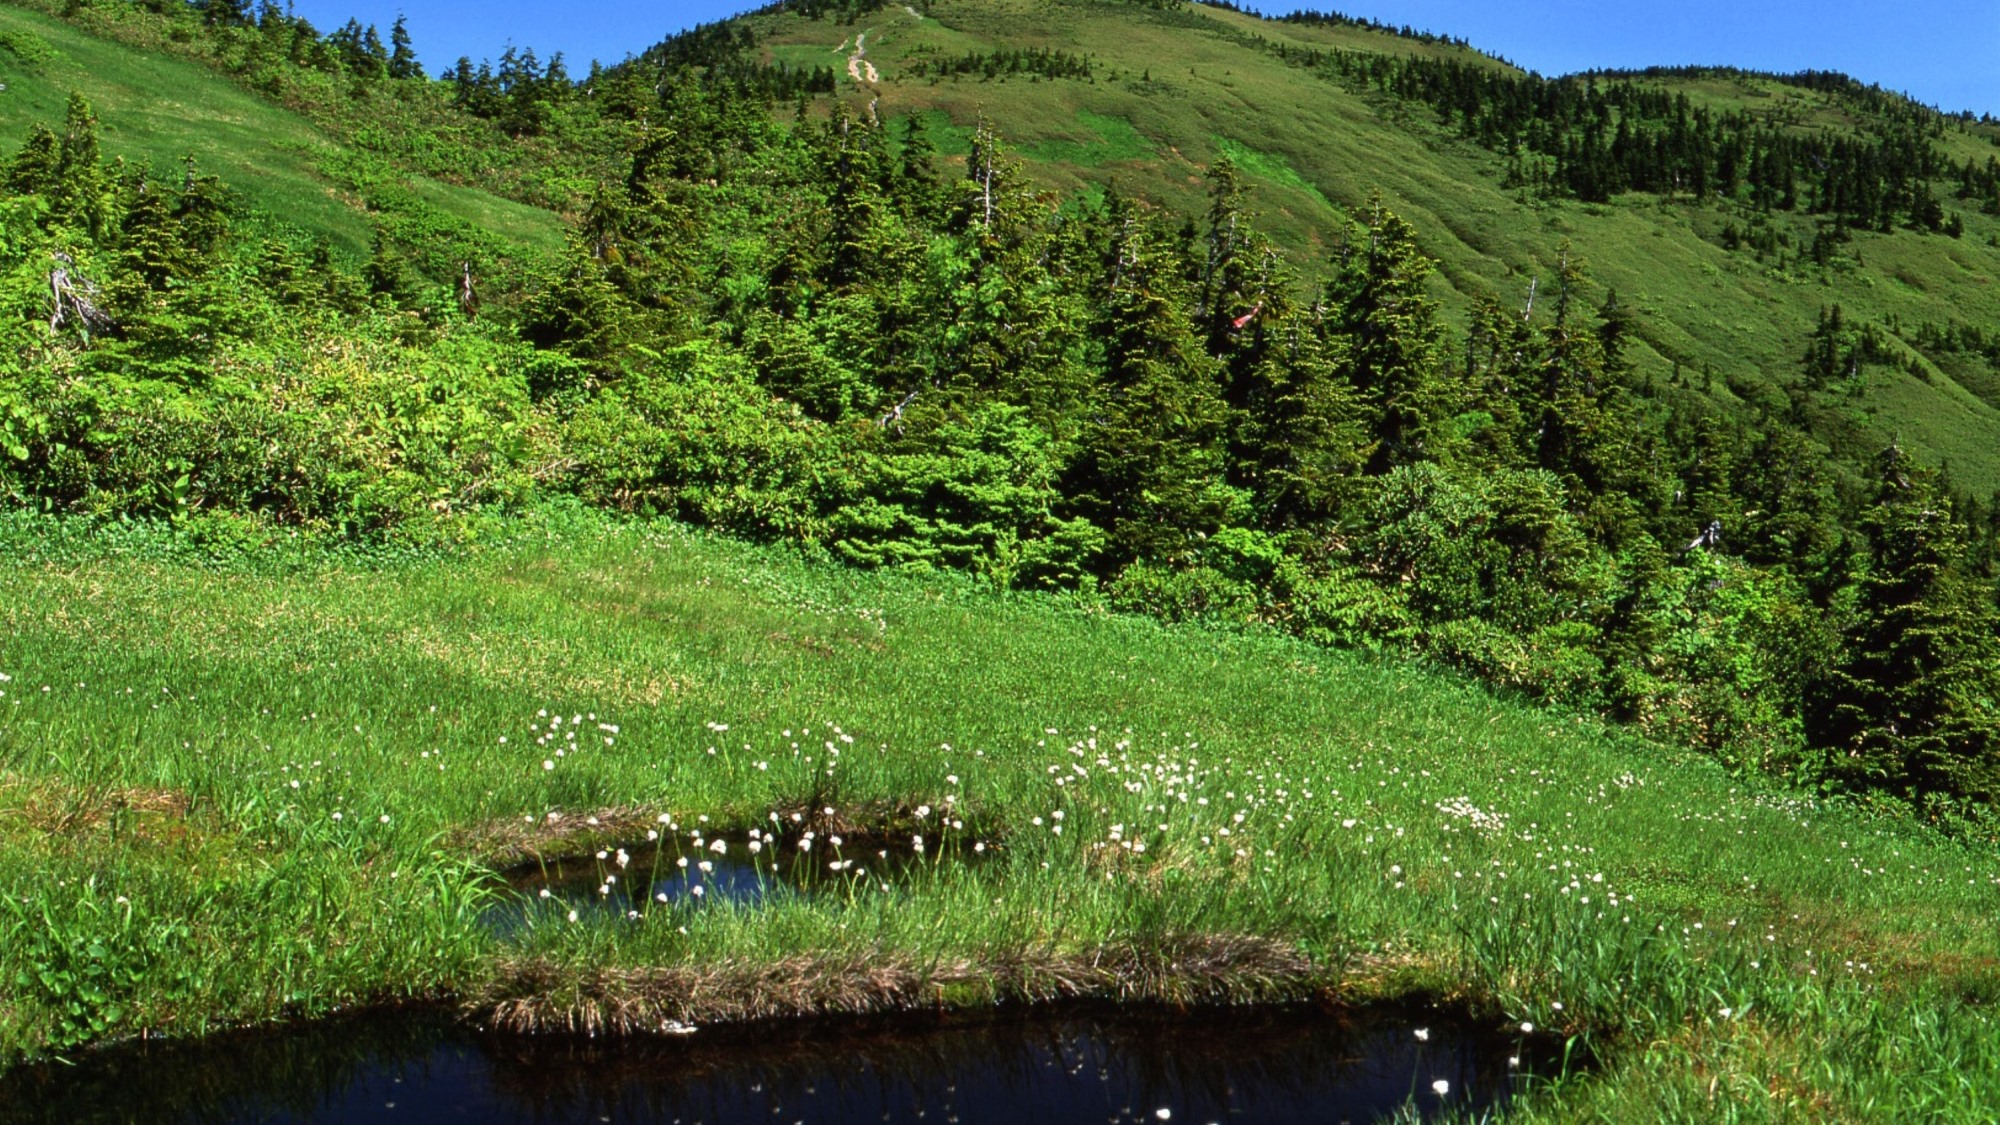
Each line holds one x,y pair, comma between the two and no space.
305,761
1170,91
156,109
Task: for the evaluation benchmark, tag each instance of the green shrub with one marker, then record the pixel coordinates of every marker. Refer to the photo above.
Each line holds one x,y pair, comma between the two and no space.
695,437
31,50
1346,608
1560,662
354,434
1197,593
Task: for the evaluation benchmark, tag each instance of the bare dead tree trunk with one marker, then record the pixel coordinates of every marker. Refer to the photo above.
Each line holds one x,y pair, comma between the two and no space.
895,415
73,297
468,298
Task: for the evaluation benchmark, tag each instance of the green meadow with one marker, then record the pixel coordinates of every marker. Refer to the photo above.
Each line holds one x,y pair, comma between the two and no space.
244,788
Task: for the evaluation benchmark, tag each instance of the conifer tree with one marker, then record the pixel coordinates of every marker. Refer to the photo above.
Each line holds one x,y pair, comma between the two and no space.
386,274
1915,704
1009,328
1830,356
1583,428
373,58
1303,430
580,311
1791,517
402,58
1501,354
1378,302
1228,259
1614,329
81,194
1151,472
34,169
854,165
916,182
148,238
201,211
226,13
333,287
279,273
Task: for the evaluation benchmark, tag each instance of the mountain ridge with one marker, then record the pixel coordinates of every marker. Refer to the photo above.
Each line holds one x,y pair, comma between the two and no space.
1737,323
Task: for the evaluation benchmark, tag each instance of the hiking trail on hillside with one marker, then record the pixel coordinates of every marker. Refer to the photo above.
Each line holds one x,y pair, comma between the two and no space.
858,64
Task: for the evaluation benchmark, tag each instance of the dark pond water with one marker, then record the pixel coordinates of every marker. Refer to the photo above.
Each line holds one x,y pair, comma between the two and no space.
1090,1068
627,881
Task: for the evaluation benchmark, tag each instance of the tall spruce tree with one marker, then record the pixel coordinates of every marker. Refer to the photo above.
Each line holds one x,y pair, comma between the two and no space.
402,56
1914,706
1151,468
1302,431
34,169
1395,354
81,194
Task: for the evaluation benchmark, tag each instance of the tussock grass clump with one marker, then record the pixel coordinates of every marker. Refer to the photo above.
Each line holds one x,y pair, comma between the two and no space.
509,842
537,996
58,806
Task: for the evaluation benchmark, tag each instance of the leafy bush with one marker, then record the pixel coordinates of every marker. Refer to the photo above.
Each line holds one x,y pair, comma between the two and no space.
1499,547
357,435
695,437
1197,593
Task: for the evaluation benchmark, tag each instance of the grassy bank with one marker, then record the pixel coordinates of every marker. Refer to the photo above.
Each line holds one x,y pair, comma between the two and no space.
262,788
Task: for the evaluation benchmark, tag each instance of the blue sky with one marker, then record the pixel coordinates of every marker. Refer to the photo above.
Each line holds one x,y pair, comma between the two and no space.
1946,52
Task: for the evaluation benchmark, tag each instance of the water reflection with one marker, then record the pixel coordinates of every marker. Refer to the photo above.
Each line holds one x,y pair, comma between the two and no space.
628,881
1123,1068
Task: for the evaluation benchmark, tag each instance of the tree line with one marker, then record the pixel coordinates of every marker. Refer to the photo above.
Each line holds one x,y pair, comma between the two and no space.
821,332
1593,136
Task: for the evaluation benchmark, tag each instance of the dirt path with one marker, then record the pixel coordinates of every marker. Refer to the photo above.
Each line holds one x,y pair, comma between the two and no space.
858,64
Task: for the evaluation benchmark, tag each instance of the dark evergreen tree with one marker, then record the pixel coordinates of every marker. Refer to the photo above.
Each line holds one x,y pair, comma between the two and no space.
1394,358
1502,353
80,194
35,169
1614,332
1914,706
1228,286
1304,432
149,237
402,57
1151,468
916,188
387,273
201,212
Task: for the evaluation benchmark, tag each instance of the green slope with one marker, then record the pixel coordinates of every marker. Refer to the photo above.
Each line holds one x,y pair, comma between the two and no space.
325,741
1171,91
159,110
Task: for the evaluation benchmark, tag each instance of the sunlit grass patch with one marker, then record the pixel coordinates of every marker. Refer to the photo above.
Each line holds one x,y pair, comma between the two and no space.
1112,139
1270,167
